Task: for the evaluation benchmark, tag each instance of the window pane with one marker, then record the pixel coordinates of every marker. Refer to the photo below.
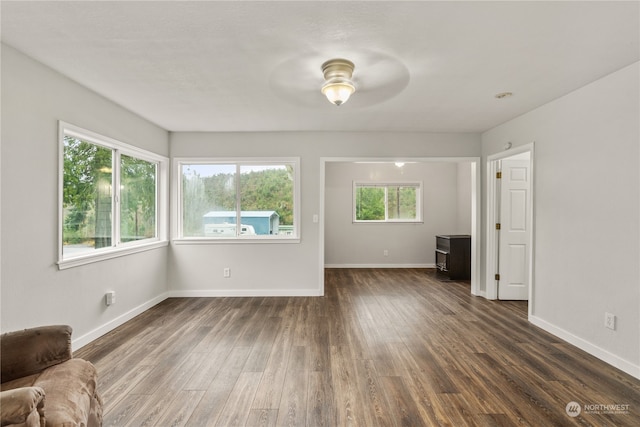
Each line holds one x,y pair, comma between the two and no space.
215,195
137,199
401,202
266,199
87,196
370,204
208,198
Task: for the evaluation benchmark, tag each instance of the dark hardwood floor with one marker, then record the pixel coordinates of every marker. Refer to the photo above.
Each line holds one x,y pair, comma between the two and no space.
384,347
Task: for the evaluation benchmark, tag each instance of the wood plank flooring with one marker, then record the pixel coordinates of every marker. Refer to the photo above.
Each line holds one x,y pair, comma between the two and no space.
383,347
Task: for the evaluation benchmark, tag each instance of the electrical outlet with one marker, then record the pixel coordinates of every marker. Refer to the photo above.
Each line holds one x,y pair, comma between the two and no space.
110,298
226,272
385,252
610,321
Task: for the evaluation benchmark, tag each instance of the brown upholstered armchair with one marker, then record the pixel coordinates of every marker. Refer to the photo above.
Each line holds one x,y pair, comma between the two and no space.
42,384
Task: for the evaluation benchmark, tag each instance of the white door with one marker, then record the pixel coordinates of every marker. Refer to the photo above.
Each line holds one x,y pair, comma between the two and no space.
515,230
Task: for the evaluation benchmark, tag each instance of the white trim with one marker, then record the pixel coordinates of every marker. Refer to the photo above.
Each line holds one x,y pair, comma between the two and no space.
125,317
176,197
491,285
116,197
59,224
321,192
162,210
481,293
235,240
110,254
248,293
602,354
380,266
476,221
105,141
112,324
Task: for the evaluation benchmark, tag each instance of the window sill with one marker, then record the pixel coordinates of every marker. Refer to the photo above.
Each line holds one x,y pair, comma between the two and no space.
388,222
109,254
234,240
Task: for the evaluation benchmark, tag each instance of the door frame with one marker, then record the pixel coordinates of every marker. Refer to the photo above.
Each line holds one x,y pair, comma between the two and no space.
491,238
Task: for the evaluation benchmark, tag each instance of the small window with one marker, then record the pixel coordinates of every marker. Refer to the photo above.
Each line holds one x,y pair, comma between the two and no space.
387,202
109,196
232,199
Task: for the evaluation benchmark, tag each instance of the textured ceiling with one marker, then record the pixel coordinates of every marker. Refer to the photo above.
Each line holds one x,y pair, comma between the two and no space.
255,66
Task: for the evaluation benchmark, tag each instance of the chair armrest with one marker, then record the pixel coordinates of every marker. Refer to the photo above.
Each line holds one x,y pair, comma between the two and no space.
23,405
32,350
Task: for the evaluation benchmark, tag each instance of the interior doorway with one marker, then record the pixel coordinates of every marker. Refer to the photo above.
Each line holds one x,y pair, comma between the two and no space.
510,224
329,228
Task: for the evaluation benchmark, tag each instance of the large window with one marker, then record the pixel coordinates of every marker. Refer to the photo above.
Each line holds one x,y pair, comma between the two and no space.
387,202
110,195
232,199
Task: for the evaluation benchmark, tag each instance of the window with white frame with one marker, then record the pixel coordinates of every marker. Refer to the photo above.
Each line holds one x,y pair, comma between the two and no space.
222,199
387,202
109,196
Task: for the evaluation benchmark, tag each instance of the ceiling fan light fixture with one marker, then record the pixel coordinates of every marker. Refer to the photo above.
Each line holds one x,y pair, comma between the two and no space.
338,86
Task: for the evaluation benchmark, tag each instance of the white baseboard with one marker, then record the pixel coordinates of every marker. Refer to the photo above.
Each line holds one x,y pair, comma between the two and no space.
479,293
111,325
594,350
380,266
208,293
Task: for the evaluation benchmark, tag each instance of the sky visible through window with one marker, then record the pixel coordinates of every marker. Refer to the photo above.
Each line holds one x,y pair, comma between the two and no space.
205,171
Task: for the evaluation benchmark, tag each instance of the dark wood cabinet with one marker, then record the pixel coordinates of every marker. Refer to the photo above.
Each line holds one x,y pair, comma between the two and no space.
453,256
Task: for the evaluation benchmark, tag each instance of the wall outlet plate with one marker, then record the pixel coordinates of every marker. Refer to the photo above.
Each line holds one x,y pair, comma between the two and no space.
110,298
610,321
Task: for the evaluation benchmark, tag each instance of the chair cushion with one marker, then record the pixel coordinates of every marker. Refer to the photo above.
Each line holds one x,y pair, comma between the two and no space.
69,388
29,351
22,406
27,381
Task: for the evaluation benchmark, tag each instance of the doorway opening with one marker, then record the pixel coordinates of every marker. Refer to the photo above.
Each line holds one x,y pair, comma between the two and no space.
409,245
509,260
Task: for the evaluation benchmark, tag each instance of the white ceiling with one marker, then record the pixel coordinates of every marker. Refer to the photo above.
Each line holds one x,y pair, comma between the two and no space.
255,66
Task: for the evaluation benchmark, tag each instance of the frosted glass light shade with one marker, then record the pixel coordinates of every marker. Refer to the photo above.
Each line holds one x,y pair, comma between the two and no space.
338,86
338,92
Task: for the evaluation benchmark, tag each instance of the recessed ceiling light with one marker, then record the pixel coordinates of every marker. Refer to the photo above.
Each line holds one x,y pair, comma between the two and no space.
502,95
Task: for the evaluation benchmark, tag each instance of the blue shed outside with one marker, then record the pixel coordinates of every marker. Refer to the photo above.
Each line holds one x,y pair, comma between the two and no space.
263,222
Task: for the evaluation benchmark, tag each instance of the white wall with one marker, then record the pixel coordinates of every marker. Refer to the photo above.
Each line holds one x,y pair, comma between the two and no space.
464,198
587,213
34,291
348,244
288,269
587,194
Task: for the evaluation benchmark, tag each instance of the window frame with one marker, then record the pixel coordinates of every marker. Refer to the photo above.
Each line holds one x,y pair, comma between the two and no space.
177,236
418,185
117,247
